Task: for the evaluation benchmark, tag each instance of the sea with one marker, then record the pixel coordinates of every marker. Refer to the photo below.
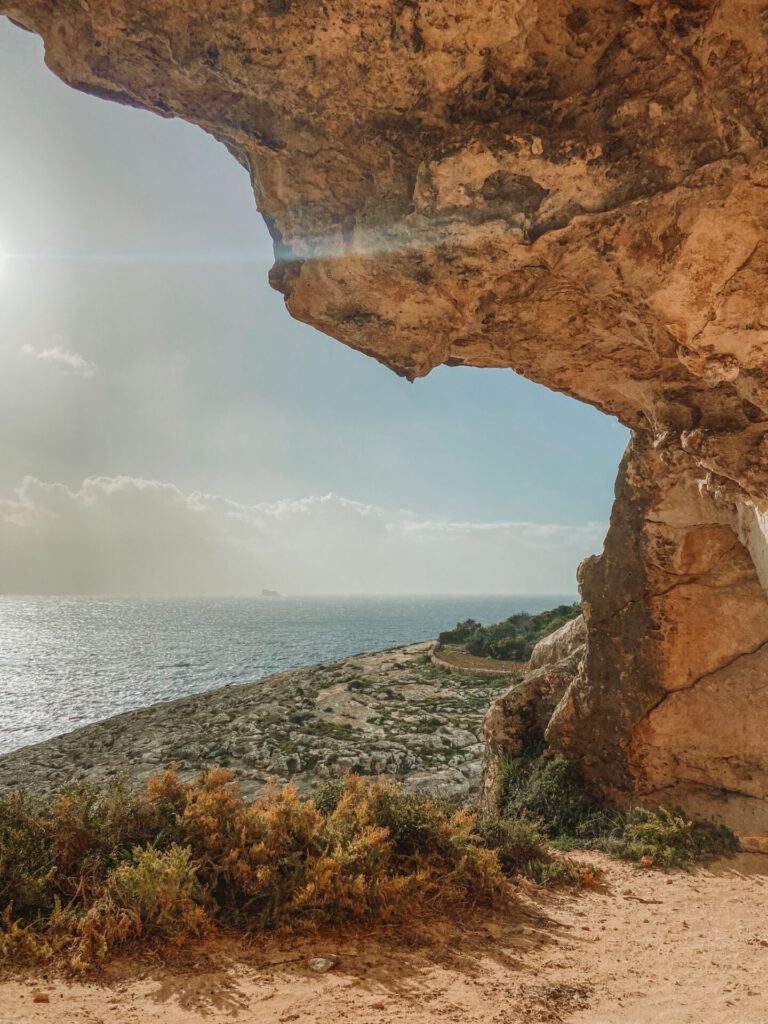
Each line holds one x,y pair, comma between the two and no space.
69,661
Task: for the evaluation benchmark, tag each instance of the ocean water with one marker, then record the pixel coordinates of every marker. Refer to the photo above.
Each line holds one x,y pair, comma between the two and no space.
68,661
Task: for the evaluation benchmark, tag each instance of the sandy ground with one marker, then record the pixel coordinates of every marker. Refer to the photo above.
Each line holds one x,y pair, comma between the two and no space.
641,947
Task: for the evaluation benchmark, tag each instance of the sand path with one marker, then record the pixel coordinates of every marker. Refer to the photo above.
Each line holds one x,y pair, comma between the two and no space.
642,947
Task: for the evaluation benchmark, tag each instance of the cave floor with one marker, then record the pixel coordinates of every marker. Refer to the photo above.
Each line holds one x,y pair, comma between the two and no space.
639,946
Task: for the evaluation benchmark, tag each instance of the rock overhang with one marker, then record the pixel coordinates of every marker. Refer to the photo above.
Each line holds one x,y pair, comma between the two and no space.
573,190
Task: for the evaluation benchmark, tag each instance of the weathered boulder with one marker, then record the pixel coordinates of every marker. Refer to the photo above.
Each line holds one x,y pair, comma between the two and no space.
671,703
518,720
571,188
660,693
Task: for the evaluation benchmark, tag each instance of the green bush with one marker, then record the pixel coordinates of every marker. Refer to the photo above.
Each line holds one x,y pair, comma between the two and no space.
514,638
668,837
328,794
27,863
551,871
163,889
461,632
517,842
549,793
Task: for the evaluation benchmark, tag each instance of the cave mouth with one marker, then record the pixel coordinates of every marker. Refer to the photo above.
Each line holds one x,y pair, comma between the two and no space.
148,157
127,268
543,214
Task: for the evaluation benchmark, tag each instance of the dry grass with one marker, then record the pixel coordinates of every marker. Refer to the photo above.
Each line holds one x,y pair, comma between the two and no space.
101,870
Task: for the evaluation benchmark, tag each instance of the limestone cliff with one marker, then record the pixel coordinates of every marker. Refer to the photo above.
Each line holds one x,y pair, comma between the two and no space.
667,702
570,188
671,700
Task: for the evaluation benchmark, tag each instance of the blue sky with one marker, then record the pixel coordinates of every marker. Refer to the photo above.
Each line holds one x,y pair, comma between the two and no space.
139,340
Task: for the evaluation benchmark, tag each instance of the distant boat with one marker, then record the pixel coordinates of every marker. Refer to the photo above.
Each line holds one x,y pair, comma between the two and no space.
269,593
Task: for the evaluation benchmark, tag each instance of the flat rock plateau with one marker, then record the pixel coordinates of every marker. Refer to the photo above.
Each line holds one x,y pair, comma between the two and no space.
392,712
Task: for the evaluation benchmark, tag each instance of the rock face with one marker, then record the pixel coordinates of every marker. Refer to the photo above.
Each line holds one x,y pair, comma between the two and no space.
573,189
667,701
672,700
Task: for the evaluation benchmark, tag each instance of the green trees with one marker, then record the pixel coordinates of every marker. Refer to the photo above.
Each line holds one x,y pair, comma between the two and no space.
461,633
514,638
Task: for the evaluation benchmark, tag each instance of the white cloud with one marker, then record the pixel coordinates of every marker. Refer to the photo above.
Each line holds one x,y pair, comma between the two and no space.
69,362
127,535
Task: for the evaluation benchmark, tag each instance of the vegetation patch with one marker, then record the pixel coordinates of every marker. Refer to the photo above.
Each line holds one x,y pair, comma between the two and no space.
550,793
100,869
514,638
332,730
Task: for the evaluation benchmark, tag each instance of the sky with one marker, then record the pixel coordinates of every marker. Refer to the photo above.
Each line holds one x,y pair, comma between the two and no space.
166,427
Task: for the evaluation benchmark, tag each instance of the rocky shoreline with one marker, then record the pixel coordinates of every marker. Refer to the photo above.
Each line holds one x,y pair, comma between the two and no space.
392,712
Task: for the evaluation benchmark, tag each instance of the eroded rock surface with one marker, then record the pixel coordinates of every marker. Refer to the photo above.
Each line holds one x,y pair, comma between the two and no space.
577,190
393,712
667,702
674,691
517,722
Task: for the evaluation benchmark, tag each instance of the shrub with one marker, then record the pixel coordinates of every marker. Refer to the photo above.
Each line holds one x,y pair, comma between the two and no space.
101,929
514,638
328,794
460,633
27,862
523,850
98,869
516,842
551,871
668,837
549,792
162,888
